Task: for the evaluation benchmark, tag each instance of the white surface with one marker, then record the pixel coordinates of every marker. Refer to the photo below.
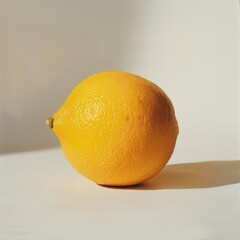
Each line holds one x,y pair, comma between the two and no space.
42,197
189,48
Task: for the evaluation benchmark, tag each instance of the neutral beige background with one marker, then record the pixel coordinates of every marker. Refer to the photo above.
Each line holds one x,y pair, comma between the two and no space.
189,48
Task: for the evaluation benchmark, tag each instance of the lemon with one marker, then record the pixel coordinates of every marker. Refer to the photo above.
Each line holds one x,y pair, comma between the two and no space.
116,128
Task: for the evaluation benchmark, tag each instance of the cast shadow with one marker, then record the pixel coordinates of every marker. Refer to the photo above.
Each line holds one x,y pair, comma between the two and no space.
194,175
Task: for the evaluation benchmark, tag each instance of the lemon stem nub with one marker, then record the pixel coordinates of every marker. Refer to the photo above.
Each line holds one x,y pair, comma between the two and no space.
49,122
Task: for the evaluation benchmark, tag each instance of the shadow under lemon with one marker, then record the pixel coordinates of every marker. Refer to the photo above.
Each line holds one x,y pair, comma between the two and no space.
206,174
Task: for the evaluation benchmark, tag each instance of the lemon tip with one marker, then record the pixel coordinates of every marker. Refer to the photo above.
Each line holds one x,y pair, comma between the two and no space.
49,122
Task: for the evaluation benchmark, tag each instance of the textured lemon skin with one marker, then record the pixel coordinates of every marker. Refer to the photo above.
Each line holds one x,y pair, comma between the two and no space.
117,128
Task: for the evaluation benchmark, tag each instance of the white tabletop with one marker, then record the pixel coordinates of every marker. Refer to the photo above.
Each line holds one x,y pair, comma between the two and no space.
42,197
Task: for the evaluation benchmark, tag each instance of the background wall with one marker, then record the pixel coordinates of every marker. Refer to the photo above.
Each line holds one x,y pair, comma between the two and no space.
189,48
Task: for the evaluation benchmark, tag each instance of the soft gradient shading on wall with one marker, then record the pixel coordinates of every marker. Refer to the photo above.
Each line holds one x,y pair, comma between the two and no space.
189,48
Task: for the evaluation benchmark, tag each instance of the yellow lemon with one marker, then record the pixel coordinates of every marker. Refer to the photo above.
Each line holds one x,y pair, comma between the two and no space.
116,128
